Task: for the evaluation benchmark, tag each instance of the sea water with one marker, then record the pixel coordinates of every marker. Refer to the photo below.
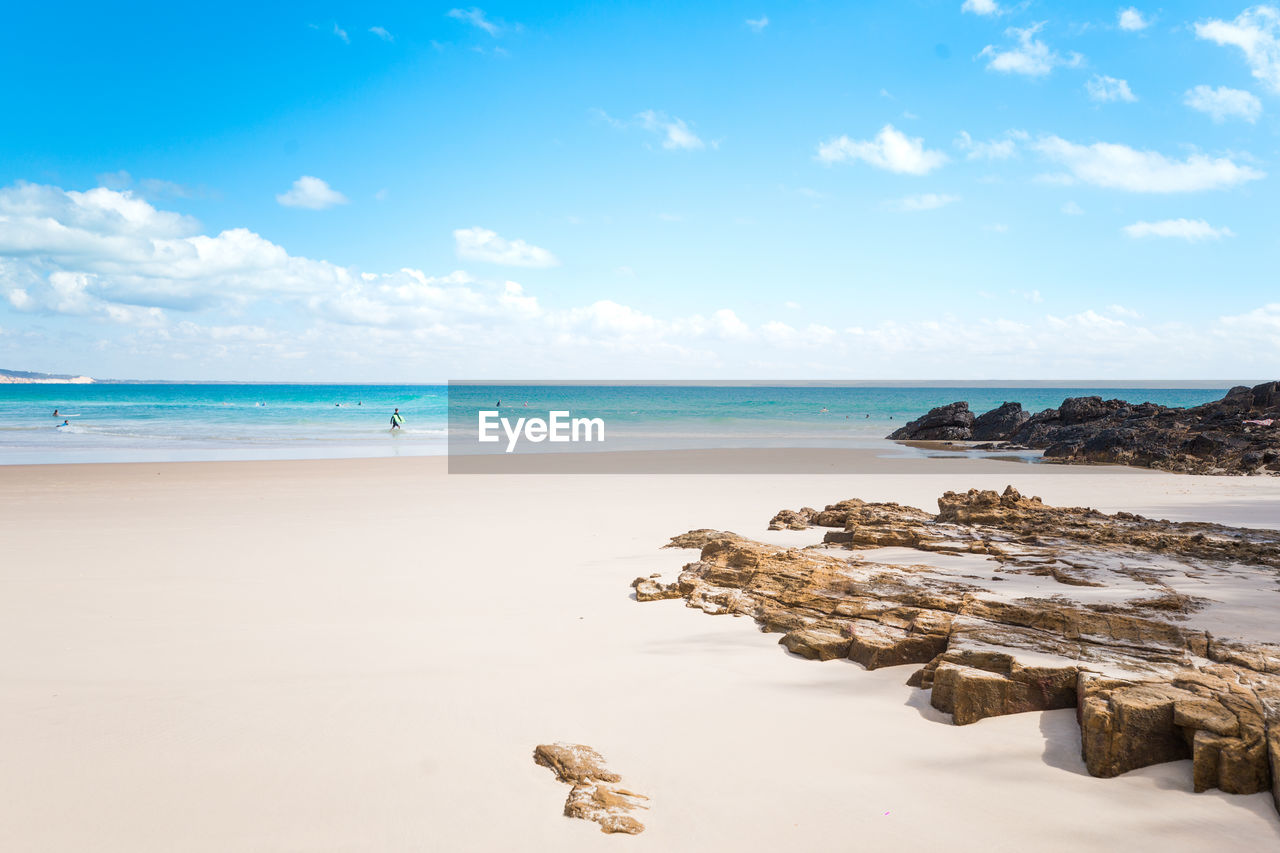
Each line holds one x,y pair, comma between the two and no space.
186,422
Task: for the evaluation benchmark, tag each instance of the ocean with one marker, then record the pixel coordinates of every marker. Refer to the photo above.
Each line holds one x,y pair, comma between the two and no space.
160,422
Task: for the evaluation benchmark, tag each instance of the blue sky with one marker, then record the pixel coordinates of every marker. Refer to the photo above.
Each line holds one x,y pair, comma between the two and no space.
966,189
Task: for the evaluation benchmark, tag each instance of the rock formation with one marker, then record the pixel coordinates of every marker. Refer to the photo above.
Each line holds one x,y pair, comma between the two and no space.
1161,635
952,422
999,423
1239,434
596,794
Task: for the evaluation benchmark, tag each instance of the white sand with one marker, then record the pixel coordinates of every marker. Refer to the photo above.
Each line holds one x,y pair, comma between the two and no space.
361,656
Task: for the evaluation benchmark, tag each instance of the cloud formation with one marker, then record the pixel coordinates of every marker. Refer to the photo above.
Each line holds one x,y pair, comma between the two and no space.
1107,164
476,18
1256,32
311,193
1000,148
1223,103
1029,55
234,301
675,133
925,201
758,24
890,149
981,7
481,244
1131,20
1107,89
1191,230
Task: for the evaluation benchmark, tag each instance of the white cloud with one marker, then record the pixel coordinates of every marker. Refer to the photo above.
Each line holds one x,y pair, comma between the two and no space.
1030,56
1256,32
1106,89
812,336
1070,208
1223,103
891,149
341,33
926,201
675,132
981,7
1106,164
1132,20
727,324
481,244
758,24
311,193
157,291
1000,148
1261,325
1191,230
476,18
103,252
382,33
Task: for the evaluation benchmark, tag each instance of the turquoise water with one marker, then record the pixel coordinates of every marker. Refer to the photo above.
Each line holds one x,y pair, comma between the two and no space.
121,423
197,422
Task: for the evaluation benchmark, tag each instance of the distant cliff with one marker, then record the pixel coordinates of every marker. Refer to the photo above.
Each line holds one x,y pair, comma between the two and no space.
23,377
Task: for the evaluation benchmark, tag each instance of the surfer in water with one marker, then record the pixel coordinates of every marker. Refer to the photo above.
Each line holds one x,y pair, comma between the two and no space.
64,423
397,419
55,413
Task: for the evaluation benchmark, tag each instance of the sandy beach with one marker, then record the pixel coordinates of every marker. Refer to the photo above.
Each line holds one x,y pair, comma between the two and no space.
362,654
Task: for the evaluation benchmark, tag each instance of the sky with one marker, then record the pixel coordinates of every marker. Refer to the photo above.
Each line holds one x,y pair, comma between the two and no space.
416,192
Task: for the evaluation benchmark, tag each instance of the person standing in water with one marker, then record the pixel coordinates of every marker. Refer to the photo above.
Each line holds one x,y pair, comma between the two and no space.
397,419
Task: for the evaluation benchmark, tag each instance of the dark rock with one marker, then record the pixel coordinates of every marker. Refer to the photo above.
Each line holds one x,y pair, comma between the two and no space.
1078,410
952,422
999,423
1209,439
1266,395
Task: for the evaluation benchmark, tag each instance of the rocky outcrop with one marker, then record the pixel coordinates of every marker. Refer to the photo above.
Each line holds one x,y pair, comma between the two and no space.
999,423
596,794
1161,635
953,422
1239,434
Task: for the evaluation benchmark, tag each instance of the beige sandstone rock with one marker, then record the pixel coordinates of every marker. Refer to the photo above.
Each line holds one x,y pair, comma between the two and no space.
1113,629
596,794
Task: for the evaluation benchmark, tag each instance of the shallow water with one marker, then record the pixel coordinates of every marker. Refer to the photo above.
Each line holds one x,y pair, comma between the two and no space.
157,422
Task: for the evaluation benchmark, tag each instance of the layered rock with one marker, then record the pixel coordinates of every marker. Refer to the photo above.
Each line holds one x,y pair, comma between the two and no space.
952,422
596,794
999,423
1161,635
1239,434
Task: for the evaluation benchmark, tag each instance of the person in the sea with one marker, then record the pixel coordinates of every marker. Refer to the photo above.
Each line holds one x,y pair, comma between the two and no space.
397,419
55,413
64,423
